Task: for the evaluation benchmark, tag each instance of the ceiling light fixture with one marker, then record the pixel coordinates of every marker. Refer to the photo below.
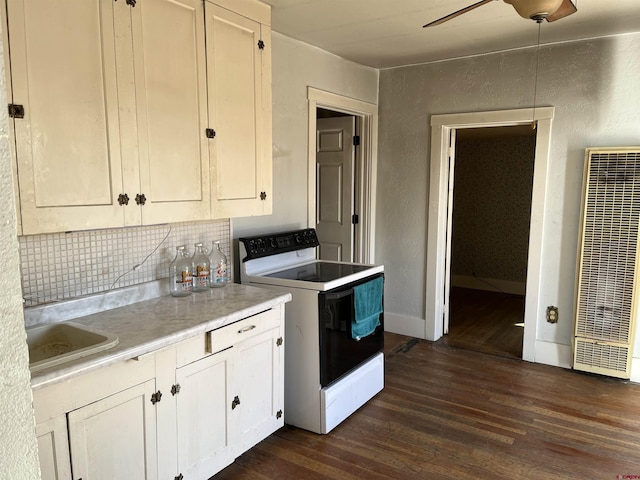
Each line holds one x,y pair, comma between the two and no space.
538,10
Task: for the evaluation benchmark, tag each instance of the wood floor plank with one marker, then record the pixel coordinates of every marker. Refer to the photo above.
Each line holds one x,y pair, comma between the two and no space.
453,413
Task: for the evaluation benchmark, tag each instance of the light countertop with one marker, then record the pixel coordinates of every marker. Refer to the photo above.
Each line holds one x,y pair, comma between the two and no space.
149,325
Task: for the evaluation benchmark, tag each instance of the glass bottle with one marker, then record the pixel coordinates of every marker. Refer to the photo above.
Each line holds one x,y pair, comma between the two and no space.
201,269
181,274
219,276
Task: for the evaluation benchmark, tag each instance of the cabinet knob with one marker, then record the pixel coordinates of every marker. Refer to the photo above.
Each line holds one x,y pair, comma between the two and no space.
155,398
141,199
123,199
235,402
175,389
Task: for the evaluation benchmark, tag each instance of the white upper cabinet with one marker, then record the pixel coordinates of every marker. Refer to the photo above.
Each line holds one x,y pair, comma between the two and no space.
120,103
171,95
115,107
239,78
63,69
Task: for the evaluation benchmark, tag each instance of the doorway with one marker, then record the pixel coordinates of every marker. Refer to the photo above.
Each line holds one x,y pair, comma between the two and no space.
360,222
492,186
443,132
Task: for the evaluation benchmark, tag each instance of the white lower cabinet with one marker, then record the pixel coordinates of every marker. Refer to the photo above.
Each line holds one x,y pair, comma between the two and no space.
184,412
115,437
53,449
205,444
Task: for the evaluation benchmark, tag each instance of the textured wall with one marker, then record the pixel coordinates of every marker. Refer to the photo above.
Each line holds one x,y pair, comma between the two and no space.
594,87
492,207
18,448
296,66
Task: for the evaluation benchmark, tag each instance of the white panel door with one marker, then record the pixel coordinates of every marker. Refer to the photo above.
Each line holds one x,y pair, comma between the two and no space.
335,177
115,437
239,112
67,145
260,388
204,407
171,97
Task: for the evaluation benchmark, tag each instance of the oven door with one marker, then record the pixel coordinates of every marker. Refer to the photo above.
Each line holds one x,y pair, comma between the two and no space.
339,352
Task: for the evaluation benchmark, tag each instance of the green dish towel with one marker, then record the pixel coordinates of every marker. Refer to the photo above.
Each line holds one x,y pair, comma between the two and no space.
368,307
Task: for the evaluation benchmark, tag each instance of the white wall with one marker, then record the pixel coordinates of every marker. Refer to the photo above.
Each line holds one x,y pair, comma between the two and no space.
296,66
18,448
594,87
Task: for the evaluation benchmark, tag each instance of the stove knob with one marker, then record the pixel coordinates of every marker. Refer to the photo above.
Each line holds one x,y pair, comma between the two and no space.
298,238
273,243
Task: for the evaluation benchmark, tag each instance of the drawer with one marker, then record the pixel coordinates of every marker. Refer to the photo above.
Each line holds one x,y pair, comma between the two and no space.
236,332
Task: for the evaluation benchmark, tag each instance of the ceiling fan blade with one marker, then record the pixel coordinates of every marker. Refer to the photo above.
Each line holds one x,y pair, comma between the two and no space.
456,14
567,8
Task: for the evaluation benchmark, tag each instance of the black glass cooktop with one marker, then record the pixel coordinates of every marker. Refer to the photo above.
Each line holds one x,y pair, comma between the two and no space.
319,272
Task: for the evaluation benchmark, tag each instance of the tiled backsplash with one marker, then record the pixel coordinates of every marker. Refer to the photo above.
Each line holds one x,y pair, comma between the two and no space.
61,266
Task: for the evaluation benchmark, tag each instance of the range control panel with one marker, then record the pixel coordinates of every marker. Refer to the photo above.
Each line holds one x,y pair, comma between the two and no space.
266,245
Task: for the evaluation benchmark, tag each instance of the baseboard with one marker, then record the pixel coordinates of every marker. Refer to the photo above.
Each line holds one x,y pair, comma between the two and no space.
635,370
488,284
403,325
555,354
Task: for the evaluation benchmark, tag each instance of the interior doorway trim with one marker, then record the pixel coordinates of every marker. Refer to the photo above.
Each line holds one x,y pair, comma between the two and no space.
441,129
366,175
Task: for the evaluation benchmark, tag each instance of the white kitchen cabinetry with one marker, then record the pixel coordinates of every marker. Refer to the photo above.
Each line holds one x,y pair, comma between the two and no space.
114,111
115,437
53,449
188,409
239,79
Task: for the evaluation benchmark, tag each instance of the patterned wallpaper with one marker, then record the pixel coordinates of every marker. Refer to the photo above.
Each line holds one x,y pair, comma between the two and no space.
492,207
62,266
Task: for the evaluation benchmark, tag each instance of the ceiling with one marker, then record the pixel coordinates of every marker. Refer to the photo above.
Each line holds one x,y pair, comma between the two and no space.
389,33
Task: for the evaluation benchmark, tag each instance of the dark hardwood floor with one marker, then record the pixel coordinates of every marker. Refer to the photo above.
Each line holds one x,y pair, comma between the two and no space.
489,322
447,412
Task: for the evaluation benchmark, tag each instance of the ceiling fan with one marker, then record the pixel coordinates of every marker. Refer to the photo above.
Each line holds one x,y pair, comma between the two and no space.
537,10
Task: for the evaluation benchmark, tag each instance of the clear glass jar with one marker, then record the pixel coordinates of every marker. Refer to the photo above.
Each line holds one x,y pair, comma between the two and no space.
201,270
219,266
181,274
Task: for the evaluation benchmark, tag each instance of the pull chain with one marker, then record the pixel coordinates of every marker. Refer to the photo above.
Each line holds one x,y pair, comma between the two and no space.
535,84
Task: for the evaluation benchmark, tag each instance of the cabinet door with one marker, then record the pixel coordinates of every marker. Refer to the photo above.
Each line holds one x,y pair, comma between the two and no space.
259,383
53,449
170,73
67,145
239,112
204,411
115,437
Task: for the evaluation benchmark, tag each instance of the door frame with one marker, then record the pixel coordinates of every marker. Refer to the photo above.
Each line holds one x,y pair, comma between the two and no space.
366,157
437,238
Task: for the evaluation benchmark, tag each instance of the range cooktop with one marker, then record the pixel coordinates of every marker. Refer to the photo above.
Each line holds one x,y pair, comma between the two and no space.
319,271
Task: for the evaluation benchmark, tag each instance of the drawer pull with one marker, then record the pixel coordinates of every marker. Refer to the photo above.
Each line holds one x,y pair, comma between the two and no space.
246,329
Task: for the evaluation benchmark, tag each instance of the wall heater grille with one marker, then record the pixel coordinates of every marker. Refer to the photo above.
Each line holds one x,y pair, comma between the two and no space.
606,295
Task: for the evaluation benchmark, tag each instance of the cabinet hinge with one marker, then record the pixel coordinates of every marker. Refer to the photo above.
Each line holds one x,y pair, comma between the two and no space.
279,414
279,342
210,132
155,398
123,199
260,44
16,111
355,219
356,140
235,402
263,195
175,389
179,477
141,199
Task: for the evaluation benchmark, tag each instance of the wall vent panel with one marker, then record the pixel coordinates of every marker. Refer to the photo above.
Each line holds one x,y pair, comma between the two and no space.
607,263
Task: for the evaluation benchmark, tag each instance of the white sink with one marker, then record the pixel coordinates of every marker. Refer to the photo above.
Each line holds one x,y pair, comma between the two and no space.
54,344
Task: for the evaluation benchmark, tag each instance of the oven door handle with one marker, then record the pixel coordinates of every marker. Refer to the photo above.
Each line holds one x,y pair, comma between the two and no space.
338,295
